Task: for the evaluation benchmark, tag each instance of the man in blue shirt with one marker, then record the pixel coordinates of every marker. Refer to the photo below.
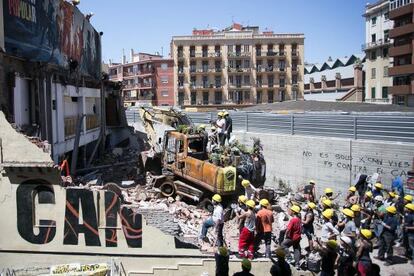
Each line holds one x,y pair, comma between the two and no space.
409,230
397,186
388,235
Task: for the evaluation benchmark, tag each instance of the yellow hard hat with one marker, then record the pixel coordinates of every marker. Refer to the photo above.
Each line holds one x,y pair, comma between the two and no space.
246,264
408,198
295,208
242,199
280,252
327,202
250,203
225,113
223,251
391,210
264,202
220,113
352,189
202,126
328,213
312,181
245,183
349,213
311,205
355,208
366,233
378,185
213,128
410,206
328,191
392,194
217,198
368,194
332,244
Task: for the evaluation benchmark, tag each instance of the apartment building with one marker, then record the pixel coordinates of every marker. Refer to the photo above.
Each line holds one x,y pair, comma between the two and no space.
146,78
238,66
376,47
402,13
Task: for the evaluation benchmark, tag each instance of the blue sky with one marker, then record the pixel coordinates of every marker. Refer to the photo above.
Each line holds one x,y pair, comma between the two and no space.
331,27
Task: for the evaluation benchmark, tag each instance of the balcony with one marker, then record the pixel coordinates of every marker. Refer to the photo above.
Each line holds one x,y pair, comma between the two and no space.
271,54
401,70
400,50
401,90
399,8
239,70
403,30
215,54
375,44
295,70
239,86
238,54
180,55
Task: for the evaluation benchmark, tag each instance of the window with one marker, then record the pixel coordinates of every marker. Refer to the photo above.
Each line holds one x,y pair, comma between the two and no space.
373,73
385,71
193,98
164,79
246,80
385,52
181,81
294,79
205,98
386,16
374,55
270,96
282,82
218,97
246,48
164,66
218,82
230,48
246,63
259,97
270,81
374,20
386,35
205,82
373,37
373,93
164,93
180,98
385,92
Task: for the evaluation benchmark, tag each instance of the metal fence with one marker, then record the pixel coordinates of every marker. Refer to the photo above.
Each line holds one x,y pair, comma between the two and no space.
386,127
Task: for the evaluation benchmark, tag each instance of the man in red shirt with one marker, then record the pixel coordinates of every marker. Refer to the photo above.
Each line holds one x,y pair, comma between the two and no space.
293,234
264,220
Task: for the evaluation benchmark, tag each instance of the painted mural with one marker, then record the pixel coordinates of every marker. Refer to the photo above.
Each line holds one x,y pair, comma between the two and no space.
52,31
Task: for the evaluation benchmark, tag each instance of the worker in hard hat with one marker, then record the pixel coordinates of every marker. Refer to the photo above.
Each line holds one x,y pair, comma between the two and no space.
388,235
309,191
328,230
264,221
246,266
221,127
328,195
229,125
293,234
357,215
367,201
408,230
222,260
246,239
280,267
391,199
215,220
307,223
241,209
249,189
348,224
352,197
364,248
346,256
328,251
377,190
213,139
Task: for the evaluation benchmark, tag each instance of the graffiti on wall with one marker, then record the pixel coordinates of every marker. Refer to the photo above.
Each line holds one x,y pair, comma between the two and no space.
359,164
81,216
52,31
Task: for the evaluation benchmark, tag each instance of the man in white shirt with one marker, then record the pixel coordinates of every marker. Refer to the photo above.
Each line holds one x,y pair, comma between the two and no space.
216,220
221,127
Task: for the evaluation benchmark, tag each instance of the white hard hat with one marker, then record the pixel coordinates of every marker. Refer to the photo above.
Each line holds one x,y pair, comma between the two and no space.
378,198
346,240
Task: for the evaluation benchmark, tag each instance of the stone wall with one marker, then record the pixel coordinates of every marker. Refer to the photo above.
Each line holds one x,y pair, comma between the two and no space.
331,162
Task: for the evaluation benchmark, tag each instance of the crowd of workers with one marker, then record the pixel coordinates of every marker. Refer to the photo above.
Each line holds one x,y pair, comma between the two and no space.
367,218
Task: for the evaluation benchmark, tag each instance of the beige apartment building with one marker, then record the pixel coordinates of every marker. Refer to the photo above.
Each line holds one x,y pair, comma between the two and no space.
237,66
377,44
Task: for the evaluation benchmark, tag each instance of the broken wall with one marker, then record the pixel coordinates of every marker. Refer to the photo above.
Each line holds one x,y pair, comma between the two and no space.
331,162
